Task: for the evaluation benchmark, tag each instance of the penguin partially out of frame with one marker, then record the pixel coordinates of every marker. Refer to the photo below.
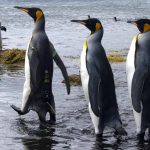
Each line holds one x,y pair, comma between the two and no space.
138,76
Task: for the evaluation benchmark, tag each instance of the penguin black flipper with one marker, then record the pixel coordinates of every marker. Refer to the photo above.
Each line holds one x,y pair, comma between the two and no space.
139,79
62,67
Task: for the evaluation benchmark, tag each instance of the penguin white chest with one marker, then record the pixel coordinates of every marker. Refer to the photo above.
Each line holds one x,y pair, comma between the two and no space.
26,88
84,72
130,69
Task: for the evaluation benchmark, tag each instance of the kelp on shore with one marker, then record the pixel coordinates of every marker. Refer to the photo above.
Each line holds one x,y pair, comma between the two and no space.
15,57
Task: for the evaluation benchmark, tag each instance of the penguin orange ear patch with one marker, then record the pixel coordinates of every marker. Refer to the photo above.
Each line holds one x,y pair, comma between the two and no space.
146,27
98,26
39,14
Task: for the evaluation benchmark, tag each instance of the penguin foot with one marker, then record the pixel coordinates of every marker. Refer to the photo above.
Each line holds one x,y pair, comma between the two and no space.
121,131
99,137
140,136
52,122
17,109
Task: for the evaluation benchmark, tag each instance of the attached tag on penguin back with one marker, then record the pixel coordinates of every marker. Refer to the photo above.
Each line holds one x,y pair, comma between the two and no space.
85,45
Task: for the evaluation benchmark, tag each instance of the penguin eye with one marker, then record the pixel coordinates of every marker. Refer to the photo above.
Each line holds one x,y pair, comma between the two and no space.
39,14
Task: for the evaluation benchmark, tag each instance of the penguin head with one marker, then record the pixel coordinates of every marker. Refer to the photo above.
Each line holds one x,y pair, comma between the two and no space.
142,24
35,13
3,28
93,24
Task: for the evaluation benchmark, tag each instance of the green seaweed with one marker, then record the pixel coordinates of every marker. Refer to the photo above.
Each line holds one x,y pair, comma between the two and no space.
12,56
116,58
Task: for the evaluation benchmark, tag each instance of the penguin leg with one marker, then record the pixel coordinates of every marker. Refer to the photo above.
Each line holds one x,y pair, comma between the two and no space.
42,115
51,110
44,107
140,136
47,108
18,110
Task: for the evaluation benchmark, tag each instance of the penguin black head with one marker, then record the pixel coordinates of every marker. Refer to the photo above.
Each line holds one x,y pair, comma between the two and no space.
142,24
3,28
35,13
93,24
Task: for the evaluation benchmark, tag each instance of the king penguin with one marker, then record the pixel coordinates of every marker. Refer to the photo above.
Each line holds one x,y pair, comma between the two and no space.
37,91
97,80
138,76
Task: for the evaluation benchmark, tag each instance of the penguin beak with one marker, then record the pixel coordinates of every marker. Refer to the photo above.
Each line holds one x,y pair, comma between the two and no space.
132,22
3,28
23,9
80,21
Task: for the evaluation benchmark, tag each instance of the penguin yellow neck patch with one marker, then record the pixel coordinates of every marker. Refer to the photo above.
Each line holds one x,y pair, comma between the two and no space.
85,45
98,26
39,14
146,27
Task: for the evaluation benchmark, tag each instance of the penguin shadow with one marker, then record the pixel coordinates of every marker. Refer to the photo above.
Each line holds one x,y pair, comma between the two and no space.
39,137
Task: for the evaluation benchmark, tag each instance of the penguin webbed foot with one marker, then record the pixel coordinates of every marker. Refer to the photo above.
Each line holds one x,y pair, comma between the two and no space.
17,109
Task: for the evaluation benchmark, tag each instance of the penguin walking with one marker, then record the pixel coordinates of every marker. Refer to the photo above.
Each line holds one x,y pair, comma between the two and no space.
138,76
97,80
37,91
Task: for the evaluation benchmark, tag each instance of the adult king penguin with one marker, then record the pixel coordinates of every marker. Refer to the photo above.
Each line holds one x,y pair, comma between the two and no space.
37,92
97,80
138,76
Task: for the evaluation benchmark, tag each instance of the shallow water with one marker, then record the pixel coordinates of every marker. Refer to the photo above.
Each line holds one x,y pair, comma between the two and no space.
74,129
66,36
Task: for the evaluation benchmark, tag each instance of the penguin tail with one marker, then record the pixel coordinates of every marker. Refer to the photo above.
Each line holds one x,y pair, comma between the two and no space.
18,110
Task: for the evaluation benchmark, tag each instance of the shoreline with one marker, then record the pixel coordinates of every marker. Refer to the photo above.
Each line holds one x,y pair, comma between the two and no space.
14,58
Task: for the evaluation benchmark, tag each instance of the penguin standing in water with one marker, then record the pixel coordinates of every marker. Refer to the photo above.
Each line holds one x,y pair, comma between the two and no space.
37,92
97,80
138,76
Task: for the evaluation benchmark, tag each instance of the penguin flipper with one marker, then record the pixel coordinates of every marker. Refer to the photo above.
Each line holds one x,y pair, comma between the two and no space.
18,110
62,67
138,81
